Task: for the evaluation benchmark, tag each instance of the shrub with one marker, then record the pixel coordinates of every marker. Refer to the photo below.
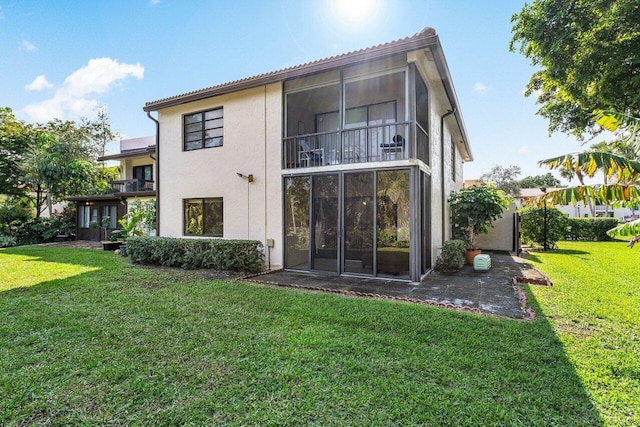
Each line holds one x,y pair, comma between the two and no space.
532,226
10,214
216,254
7,241
42,230
451,258
590,228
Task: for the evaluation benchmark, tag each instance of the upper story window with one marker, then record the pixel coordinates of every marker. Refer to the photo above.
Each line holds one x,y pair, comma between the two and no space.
203,129
144,172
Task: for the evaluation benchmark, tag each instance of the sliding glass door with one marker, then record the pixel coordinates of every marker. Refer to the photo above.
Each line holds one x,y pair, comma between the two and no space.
324,223
351,222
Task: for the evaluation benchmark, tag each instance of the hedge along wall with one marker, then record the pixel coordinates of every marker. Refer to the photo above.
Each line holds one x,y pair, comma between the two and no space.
216,254
590,228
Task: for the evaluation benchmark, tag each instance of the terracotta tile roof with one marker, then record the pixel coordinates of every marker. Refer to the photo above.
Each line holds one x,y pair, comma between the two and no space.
423,38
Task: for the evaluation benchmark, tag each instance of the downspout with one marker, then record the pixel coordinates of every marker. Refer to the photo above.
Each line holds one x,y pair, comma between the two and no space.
157,172
442,175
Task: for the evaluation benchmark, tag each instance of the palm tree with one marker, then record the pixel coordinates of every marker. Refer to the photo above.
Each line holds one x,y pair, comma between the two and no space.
620,167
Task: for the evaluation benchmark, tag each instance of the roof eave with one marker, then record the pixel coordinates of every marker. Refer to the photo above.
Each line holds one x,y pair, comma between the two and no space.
138,152
364,55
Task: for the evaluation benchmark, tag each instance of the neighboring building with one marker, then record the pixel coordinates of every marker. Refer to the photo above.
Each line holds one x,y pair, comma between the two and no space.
137,180
622,214
341,165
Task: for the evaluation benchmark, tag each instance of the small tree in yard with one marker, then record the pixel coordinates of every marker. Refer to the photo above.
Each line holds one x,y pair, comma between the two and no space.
532,225
473,210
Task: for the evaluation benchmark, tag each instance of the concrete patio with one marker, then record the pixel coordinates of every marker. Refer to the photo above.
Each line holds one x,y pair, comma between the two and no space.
492,293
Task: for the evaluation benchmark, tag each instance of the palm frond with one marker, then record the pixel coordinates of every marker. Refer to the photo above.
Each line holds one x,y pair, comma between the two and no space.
627,229
590,162
626,124
605,193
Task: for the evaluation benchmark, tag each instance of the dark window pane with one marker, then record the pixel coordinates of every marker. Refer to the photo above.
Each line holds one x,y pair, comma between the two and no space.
393,223
193,145
212,124
213,142
193,128
191,137
325,223
193,118
213,114
358,222
213,223
297,222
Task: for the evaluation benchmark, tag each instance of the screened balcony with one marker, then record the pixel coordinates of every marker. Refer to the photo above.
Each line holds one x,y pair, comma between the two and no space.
355,116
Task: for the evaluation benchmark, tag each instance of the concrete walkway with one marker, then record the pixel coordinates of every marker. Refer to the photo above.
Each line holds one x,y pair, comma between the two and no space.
494,292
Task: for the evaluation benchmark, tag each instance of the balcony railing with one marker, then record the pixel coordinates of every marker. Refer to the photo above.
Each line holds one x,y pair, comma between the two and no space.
354,145
132,185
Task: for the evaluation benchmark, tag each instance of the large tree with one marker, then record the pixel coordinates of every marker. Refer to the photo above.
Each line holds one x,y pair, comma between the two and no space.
586,52
16,138
50,162
540,181
504,178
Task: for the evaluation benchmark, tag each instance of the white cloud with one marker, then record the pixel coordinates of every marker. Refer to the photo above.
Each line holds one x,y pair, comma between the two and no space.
523,150
27,46
77,96
39,83
154,2
480,87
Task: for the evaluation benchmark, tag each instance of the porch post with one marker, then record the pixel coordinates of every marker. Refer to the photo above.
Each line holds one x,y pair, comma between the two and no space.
414,219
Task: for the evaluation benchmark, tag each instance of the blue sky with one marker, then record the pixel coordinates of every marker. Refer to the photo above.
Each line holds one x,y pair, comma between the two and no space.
66,58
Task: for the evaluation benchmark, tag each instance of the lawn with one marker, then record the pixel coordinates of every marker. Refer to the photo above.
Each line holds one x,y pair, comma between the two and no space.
87,338
594,309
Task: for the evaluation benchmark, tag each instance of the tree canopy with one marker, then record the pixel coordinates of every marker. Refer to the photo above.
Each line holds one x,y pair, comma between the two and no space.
587,55
540,181
49,162
504,178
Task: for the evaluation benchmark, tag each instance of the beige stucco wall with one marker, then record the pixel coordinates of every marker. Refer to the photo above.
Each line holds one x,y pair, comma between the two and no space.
500,237
252,145
440,141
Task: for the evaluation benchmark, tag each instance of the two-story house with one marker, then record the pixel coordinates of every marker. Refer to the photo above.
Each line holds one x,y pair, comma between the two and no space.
137,180
341,165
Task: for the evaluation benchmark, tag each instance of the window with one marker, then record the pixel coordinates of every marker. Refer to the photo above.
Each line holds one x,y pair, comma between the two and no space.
84,216
203,217
110,211
203,130
143,172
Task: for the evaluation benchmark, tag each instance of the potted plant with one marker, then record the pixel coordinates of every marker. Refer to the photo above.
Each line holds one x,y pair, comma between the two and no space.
473,210
130,224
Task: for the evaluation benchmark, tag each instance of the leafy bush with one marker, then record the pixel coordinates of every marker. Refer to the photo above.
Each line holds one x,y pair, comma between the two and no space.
12,213
7,241
532,226
473,211
452,257
43,230
590,228
216,254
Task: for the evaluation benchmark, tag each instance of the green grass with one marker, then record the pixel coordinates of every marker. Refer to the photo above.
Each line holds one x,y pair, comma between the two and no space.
594,309
87,338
